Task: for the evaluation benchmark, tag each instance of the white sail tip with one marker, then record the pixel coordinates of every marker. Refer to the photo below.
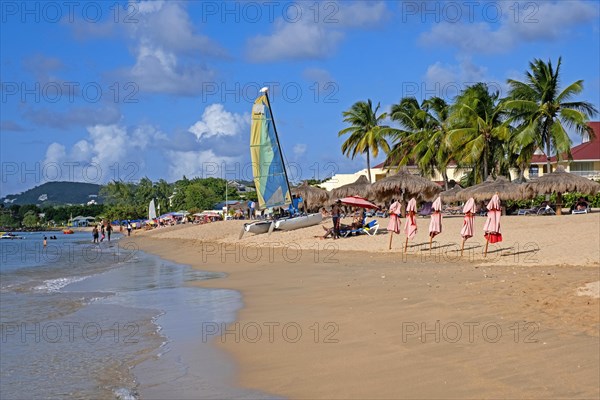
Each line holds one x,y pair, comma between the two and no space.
264,90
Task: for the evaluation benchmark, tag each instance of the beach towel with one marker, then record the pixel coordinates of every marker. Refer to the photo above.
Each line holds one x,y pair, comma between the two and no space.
394,224
469,211
491,227
410,226
435,225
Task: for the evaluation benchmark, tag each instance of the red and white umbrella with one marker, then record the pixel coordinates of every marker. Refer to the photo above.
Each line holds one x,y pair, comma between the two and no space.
467,229
435,225
410,226
394,224
492,224
360,202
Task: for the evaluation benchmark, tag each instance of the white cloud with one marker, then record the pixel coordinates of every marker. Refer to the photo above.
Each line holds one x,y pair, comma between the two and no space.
524,22
170,55
216,121
299,40
201,163
299,149
316,33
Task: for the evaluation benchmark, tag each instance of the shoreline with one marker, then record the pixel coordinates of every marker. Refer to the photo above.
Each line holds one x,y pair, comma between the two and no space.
373,325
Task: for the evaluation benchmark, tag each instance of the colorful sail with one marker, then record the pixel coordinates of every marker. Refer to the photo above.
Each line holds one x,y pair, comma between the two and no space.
270,178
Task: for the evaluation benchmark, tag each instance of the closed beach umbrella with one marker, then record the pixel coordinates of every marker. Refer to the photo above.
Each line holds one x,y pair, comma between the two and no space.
492,223
560,182
394,224
435,225
467,228
410,226
358,188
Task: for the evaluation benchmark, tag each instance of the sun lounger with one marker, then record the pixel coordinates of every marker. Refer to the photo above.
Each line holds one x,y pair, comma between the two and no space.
452,210
370,229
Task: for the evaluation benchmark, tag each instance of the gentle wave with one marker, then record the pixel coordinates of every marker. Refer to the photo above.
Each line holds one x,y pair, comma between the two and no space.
54,285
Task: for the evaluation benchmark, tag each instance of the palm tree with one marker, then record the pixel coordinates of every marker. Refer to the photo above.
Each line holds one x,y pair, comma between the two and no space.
366,134
544,111
479,129
422,139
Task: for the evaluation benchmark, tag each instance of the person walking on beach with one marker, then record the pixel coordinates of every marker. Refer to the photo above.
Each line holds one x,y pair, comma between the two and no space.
102,232
95,234
128,228
109,230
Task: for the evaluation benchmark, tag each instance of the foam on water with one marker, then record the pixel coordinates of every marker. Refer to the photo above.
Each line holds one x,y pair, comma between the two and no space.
54,285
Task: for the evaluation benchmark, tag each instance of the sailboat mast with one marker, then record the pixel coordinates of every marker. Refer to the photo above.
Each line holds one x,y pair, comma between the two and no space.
266,90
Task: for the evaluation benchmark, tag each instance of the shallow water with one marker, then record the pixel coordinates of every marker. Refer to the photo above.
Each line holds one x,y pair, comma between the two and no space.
104,321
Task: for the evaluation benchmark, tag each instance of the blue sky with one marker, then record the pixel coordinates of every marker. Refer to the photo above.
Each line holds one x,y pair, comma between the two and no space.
94,91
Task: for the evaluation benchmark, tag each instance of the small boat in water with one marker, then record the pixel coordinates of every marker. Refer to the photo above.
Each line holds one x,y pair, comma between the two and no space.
9,235
68,231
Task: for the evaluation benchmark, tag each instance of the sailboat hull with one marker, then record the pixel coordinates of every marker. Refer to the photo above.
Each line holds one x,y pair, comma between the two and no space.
304,221
258,227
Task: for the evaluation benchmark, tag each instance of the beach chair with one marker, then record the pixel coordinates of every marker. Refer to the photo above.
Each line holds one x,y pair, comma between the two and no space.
370,229
583,211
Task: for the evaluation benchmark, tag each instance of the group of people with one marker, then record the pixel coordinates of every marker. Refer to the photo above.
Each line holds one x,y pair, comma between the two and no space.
105,230
336,216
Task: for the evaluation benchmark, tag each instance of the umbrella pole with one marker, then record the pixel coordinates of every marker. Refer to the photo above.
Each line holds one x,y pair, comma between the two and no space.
462,248
487,241
391,237
406,244
430,240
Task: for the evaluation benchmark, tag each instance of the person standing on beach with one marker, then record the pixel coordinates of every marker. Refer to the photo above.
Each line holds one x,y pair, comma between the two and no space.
335,216
128,228
45,241
95,234
102,231
109,230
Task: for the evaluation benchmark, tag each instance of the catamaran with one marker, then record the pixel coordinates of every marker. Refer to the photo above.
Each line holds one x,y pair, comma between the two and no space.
270,175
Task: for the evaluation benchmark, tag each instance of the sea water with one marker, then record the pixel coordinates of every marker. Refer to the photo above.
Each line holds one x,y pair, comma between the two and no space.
83,320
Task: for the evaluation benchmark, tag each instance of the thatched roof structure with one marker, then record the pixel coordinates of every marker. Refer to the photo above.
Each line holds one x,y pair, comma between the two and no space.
484,191
358,188
404,183
561,181
312,196
450,195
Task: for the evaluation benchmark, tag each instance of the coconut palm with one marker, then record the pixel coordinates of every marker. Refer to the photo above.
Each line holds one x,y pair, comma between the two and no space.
479,129
543,111
367,135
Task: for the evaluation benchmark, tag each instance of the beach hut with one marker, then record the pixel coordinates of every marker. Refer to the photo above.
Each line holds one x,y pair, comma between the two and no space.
358,188
451,195
486,190
560,182
311,195
405,184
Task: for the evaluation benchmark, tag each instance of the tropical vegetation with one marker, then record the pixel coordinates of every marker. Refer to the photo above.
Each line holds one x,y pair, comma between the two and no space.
483,133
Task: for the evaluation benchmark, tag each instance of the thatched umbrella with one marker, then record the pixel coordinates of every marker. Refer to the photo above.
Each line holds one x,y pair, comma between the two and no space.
404,184
450,195
310,194
560,182
486,190
358,188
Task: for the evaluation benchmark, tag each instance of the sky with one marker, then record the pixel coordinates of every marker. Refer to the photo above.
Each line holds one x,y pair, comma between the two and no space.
98,91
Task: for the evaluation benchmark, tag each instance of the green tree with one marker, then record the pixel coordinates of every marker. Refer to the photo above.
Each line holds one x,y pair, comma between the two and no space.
478,130
367,135
30,219
544,112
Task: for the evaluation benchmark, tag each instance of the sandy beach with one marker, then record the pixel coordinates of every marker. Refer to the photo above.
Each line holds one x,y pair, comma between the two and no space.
351,319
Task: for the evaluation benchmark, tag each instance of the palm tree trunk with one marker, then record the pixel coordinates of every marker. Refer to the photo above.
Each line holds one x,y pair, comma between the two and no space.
485,163
369,166
445,177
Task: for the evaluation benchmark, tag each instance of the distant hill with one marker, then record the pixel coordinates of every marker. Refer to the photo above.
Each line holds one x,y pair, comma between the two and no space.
56,193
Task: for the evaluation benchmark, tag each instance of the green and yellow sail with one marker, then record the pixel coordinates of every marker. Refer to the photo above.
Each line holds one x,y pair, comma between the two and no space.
268,168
